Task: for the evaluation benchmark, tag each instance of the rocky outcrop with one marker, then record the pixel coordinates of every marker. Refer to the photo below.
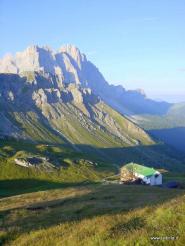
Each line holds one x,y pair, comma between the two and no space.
61,92
69,65
61,97
75,54
76,94
71,110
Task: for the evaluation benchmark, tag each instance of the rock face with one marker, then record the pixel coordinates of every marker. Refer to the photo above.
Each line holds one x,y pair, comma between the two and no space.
75,54
61,97
62,91
69,65
41,109
46,96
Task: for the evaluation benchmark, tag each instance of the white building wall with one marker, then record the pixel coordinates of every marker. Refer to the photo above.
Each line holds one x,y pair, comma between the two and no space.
159,180
156,180
151,180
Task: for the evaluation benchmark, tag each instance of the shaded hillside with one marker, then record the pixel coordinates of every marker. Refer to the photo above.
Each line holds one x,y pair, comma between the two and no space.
168,128
93,215
173,136
60,157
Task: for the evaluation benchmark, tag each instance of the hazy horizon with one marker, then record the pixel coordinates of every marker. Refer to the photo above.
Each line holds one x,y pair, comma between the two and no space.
135,44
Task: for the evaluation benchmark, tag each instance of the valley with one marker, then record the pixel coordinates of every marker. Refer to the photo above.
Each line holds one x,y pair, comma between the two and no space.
63,130
69,202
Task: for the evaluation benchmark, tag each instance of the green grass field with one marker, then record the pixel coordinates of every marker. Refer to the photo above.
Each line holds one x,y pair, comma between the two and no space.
94,214
70,205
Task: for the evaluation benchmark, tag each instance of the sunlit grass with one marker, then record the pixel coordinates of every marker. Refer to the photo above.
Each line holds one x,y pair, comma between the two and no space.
94,215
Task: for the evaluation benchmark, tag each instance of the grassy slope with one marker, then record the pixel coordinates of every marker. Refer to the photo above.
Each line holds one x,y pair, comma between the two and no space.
75,128
61,154
95,141
72,167
81,215
172,119
35,128
110,147
94,215
169,128
128,126
77,214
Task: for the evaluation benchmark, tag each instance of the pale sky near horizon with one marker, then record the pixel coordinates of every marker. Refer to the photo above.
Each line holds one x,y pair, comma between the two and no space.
139,44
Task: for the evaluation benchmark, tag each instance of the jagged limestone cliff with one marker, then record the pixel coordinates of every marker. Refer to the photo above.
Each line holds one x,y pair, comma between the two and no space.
61,98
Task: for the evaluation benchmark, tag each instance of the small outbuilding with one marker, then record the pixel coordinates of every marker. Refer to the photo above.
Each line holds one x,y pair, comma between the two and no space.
147,175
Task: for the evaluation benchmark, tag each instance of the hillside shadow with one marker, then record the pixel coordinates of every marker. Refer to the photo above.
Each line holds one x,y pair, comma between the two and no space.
158,155
172,136
21,186
102,200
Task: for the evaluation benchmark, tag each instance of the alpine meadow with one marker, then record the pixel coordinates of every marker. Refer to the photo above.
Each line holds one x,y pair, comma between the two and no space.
86,160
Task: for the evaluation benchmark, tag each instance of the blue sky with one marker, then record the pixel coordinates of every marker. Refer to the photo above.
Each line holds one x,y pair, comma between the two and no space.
136,43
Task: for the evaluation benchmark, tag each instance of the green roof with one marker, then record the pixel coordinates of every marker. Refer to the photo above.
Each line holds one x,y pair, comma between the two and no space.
146,171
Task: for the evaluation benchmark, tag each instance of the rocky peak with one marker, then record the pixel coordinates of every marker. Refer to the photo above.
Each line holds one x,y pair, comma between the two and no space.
69,65
66,64
141,91
7,64
35,58
75,53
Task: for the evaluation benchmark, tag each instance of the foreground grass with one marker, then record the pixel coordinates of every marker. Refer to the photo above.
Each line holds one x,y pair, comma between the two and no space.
94,215
62,207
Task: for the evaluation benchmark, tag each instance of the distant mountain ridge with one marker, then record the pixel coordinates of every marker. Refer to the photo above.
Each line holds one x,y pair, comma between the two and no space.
71,66
65,95
45,97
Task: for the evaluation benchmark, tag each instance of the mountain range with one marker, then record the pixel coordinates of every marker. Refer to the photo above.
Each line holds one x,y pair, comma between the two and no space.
61,97
69,65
